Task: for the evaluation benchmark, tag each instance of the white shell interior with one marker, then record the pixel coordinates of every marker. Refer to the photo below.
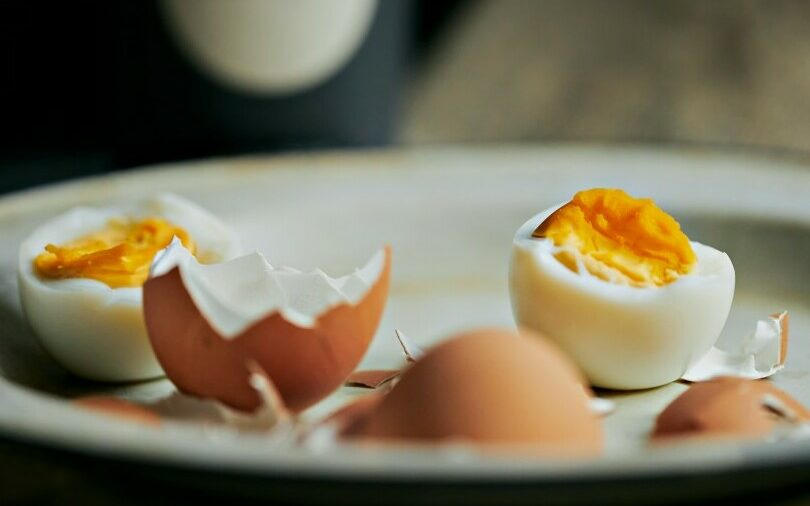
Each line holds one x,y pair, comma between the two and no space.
234,295
753,356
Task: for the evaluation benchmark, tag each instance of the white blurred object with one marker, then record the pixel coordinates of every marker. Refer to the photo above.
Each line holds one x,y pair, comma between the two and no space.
269,46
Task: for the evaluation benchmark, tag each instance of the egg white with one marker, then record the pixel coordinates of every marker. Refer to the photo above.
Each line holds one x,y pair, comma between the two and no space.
621,336
93,330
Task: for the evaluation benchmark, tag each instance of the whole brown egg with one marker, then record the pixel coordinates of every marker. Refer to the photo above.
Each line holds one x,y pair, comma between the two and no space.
489,386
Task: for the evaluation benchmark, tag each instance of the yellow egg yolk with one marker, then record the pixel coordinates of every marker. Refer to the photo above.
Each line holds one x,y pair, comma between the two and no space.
119,255
619,238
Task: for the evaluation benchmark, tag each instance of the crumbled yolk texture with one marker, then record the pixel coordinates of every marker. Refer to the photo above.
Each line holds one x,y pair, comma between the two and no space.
619,238
119,255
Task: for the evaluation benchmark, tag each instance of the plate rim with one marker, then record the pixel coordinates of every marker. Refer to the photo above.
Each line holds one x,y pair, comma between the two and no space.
57,193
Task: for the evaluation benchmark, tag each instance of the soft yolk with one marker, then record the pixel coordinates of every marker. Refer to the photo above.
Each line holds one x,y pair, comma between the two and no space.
119,255
619,238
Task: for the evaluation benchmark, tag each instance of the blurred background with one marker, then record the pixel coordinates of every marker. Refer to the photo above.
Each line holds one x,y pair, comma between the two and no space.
90,86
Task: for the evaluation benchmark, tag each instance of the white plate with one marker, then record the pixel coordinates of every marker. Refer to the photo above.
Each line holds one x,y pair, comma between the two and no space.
450,215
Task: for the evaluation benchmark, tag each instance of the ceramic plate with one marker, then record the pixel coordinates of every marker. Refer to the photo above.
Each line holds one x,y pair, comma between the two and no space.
450,215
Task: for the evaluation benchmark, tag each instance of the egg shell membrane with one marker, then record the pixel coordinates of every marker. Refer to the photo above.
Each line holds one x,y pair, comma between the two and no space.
304,364
724,407
120,408
480,388
410,350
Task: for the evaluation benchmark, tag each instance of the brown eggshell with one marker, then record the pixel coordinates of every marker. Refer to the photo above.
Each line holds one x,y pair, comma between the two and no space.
304,364
120,408
372,378
490,386
725,407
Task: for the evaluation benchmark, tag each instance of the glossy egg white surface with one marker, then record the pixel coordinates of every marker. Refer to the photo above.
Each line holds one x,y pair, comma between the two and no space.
93,330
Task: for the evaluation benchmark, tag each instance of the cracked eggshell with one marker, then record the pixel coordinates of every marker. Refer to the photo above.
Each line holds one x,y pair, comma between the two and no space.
272,413
307,332
622,337
760,354
93,330
728,407
493,387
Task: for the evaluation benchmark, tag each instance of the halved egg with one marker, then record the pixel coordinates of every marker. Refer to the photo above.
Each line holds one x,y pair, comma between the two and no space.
214,326
615,282
81,277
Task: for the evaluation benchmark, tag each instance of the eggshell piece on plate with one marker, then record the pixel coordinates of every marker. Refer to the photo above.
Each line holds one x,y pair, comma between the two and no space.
272,413
375,378
411,350
120,408
488,387
92,329
372,378
728,407
760,354
305,331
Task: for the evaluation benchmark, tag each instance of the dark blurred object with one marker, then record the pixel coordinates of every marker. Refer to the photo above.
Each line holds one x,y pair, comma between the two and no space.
90,85
113,79
432,18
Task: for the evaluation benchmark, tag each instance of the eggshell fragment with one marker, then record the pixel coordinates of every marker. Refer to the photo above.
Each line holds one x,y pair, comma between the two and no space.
601,407
730,407
184,408
487,387
410,349
758,355
376,378
205,353
372,378
120,408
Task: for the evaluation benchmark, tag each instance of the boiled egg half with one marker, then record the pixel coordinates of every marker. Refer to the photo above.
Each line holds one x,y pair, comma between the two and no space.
80,279
616,283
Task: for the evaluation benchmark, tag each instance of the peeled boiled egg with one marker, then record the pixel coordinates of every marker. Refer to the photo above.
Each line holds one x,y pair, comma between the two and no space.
493,387
616,284
728,407
214,326
81,275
